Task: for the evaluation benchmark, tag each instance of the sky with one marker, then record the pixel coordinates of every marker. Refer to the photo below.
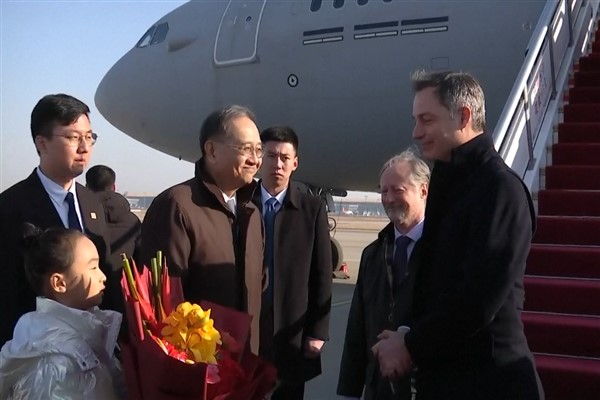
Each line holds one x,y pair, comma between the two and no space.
67,47
49,46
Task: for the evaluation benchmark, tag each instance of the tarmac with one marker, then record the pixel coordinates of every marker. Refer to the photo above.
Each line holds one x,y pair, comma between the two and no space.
354,234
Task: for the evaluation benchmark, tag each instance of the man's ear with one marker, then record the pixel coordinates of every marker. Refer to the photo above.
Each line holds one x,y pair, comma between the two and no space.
424,190
465,117
58,284
40,144
209,151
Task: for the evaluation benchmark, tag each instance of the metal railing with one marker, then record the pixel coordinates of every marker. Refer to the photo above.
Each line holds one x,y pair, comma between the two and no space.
529,114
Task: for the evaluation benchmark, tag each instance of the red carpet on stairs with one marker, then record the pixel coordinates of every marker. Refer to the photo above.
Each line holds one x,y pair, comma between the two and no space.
562,285
564,261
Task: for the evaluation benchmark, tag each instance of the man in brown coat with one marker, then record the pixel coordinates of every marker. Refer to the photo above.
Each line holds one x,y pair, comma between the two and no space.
207,227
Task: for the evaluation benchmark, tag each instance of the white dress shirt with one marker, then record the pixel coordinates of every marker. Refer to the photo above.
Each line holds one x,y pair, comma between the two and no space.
57,194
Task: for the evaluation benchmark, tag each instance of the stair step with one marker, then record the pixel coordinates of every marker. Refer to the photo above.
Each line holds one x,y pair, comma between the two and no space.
589,63
569,202
553,229
561,295
576,154
568,378
579,132
546,333
564,261
586,78
577,177
583,95
582,112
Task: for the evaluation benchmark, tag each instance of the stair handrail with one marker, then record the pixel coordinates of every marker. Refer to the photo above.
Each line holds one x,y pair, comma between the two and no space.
558,21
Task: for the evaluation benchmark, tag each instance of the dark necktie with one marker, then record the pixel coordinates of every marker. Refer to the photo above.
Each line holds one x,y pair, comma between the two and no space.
270,211
400,264
73,219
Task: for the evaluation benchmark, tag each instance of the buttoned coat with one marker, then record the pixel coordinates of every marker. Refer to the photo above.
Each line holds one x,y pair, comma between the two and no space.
302,283
217,254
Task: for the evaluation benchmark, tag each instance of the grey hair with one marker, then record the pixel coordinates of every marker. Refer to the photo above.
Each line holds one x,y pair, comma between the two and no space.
455,90
219,122
420,172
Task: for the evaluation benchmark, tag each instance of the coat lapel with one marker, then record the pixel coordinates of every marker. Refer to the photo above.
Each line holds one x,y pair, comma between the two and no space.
38,205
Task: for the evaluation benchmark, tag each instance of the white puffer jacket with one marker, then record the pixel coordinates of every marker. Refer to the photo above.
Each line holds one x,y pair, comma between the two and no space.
58,352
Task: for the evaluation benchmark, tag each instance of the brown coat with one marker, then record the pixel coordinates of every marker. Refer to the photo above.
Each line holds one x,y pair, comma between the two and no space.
196,231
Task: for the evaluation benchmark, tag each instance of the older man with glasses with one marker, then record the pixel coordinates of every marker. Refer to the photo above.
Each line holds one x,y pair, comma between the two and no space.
49,197
207,227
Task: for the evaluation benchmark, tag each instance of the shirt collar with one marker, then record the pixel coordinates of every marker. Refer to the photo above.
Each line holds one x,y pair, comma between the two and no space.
415,233
54,190
265,196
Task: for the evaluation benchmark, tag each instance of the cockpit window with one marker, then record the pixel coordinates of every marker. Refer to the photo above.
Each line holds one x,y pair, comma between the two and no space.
315,5
387,1
338,3
362,2
147,38
160,33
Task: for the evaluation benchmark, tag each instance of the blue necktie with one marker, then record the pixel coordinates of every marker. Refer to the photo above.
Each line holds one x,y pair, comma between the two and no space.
270,211
400,263
73,219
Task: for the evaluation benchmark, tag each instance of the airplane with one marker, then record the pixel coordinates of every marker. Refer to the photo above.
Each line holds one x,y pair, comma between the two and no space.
337,71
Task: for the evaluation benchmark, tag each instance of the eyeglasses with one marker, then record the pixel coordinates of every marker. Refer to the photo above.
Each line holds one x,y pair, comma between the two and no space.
248,150
76,140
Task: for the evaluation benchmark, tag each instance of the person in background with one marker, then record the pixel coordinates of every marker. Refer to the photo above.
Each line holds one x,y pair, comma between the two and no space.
384,289
297,302
124,226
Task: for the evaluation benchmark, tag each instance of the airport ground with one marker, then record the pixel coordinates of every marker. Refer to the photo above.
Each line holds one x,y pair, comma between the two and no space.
354,233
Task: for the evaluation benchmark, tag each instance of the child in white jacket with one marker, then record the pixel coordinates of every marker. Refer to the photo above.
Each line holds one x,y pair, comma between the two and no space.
65,349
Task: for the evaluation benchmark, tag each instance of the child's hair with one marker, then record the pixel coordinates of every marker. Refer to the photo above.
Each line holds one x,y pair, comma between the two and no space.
47,252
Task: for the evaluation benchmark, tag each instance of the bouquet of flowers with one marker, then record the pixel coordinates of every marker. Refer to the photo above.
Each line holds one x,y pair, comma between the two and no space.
178,350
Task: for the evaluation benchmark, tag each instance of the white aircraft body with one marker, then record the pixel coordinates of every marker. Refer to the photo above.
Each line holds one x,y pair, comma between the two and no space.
336,71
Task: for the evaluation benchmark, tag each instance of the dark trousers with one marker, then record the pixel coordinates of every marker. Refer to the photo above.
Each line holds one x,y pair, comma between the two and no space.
289,391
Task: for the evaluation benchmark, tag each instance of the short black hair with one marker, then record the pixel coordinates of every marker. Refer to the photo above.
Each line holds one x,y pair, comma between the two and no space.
55,109
218,122
100,178
281,134
47,252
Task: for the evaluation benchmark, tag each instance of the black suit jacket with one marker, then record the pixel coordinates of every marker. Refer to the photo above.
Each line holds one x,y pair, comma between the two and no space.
376,307
467,339
302,283
28,201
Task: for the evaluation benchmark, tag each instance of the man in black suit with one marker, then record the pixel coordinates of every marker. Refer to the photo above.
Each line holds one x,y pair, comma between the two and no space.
49,197
467,338
297,301
384,289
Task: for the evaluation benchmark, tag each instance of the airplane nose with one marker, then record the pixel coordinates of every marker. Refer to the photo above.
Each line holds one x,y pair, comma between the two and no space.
158,91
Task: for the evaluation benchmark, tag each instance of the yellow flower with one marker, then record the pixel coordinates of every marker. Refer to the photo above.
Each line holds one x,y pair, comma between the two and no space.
189,328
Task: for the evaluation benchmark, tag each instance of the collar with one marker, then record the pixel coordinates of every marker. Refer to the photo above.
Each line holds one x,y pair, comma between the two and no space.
55,191
242,196
264,195
99,328
473,151
415,233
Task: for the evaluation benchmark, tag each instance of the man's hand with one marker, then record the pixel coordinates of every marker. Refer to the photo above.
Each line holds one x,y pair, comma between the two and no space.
312,347
394,359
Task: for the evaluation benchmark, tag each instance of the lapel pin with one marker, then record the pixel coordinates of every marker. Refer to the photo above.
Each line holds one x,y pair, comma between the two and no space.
93,215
